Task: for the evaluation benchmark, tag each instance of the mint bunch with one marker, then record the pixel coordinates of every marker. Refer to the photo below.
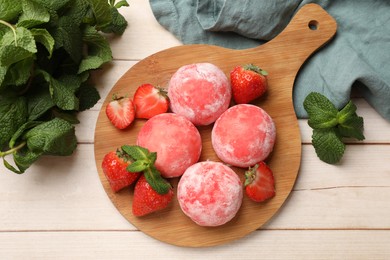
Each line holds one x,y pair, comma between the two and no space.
48,49
331,126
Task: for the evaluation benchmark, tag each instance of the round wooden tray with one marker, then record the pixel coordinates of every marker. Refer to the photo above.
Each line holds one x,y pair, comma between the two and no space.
282,57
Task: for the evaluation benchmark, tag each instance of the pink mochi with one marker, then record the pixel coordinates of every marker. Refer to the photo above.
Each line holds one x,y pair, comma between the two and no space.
244,135
201,92
175,139
210,193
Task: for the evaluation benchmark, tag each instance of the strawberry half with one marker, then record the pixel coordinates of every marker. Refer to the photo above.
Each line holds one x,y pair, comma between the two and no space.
114,168
259,183
120,111
248,83
146,200
150,101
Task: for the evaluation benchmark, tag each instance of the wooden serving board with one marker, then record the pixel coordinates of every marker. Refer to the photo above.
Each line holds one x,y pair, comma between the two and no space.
282,58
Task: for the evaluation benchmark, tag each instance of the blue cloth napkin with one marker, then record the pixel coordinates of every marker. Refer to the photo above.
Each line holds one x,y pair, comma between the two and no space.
358,57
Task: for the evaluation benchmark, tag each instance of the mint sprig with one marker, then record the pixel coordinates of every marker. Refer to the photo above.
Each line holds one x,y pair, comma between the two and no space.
144,162
330,126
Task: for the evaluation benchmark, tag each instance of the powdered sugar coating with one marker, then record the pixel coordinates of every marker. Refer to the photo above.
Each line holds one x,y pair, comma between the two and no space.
244,135
210,193
175,139
201,92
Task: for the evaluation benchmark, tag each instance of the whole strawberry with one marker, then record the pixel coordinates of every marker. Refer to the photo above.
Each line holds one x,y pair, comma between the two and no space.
146,200
248,83
259,182
150,101
120,111
114,168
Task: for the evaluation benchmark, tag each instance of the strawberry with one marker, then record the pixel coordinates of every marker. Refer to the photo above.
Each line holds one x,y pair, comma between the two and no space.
120,111
150,101
146,200
114,167
248,83
259,182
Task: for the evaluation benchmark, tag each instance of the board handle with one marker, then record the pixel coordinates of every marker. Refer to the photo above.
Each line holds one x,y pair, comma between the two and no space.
311,27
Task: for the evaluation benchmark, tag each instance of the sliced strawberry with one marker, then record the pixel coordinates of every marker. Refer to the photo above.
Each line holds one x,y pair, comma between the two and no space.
259,182
146,200
150,101
114,168
120,111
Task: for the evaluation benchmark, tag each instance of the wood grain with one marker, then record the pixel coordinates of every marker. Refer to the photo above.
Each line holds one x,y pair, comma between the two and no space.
282,58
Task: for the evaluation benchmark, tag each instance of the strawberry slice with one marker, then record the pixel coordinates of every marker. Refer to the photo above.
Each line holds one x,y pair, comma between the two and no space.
259,182
120,111
150,101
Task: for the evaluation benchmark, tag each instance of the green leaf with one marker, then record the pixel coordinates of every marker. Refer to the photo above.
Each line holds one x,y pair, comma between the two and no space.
10,167
13,114
12,51
33,14
24,158
22,129
63,90
98,49
136,152
88,96
322,113
118,23
43,36
138,166
156,181
328,145
101,11
39,102
352,127
10,10
121,3
54,137
19,73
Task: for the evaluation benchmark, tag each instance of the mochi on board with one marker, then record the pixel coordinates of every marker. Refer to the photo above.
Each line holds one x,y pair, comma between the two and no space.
175,139
243,135
201,92
210,193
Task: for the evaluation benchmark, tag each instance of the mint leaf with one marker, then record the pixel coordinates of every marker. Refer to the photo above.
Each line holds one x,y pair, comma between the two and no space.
22,129
33,14
19,73
39,102
136,152
88,97
43,36
156,181
24,158
117,25
12,51
322,113
54,5
101,11
54,137
328,145
121,3
98,49
13,114
352,127
10,10
138,166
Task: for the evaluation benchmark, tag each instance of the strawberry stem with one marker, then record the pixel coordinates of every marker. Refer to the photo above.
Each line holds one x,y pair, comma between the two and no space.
256,69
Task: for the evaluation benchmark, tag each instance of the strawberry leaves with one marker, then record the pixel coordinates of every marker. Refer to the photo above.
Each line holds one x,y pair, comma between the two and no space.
330,126
144,162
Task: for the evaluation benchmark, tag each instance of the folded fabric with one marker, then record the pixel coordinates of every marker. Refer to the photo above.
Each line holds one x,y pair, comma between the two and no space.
358,56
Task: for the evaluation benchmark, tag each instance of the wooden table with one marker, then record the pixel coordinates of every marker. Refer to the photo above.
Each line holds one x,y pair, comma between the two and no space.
59,210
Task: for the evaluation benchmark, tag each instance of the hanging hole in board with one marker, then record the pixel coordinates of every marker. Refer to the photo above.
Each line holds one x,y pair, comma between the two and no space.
313,25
